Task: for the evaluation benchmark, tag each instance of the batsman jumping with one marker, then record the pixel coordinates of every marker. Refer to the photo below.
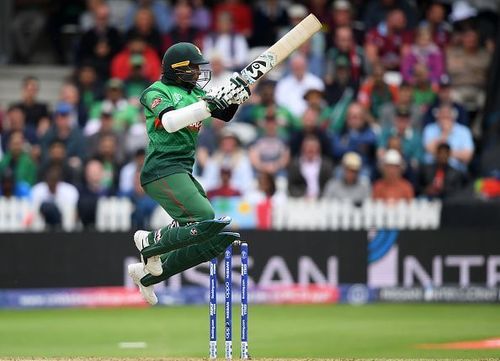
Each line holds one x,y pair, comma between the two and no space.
175,107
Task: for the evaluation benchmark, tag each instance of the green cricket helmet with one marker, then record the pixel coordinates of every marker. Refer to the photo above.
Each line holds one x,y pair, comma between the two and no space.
181,65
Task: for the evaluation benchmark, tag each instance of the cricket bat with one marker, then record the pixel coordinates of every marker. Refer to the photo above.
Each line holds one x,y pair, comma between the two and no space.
280,50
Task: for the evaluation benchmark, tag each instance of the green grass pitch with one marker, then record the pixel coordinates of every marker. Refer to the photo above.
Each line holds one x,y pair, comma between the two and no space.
325,331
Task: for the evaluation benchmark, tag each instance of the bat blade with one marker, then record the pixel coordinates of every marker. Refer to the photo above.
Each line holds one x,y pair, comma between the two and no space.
280,50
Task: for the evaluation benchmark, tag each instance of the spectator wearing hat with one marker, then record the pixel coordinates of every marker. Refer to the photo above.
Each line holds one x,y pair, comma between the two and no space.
346,48
350,185
315,98
122,66
290,90
136,82
231,155
444,96
64,131
447,130
409,138
440,180
145,28
268,19
19,162
269,153
36,113
425,53
342,15
389,40
309,171
392,187
375,91
357,136
124,113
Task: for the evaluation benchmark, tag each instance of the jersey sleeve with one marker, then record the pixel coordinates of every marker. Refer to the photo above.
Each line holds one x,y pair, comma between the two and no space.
157,102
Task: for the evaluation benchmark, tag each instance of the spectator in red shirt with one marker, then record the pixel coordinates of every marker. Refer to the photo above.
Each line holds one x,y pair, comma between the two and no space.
241,14
225,189
389,41
121,66
392,186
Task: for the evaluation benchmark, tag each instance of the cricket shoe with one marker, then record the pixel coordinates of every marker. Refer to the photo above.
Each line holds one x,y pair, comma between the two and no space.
152,264
136,272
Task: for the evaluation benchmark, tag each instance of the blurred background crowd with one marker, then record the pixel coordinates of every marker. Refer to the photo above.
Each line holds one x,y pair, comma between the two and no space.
390,101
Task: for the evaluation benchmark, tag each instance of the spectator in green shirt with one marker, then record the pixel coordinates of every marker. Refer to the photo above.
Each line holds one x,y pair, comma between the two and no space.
19,161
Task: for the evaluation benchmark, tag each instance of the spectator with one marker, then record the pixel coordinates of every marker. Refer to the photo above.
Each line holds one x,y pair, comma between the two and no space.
99,44
93,188
241,14
447,130
339,94
106,128
57,156
267,105
160,9
387,112
53,196
351,185
467,66
136,82
124,113
375,91
19,162
268,19
70,94
409,138
269,153
444,97
107,153
127,173
224,189
357,136
341,15
315,99
8,187
378,10
424,93
392,186
183,30
388,41
122,65
435,19
440,180
202,16
63,131
232,46
36,113
309,172
290,90
90,87
310,127
15,121
230,155
426,53
345,47
145,28
220,75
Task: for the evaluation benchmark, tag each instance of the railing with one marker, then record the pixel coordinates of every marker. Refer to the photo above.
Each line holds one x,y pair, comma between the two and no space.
114,214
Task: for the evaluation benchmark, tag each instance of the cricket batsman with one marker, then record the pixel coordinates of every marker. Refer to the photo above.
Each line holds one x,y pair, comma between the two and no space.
175,107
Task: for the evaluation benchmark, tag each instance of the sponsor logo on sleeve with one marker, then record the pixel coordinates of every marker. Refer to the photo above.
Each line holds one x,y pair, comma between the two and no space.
155,103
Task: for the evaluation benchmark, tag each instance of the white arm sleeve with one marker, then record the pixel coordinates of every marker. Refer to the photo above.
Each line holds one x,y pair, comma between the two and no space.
177,119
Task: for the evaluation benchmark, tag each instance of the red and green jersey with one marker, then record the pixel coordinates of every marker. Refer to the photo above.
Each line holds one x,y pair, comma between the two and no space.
168,153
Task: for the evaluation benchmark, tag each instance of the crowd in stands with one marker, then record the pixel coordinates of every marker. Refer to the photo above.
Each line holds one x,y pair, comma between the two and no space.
386,102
